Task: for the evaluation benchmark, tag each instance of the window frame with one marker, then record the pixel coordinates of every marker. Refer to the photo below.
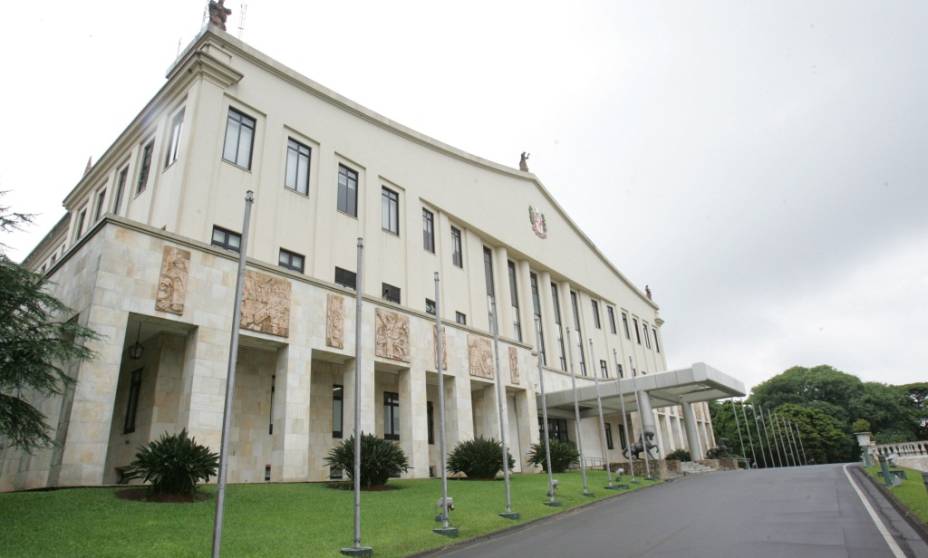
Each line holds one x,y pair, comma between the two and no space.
637,333
290,254
390,208
132,402
428,231
558,320
460,317
243,119
226,245
338,396
177,123
387,289
657,344
457,247
350,175
596,321
145,158
296,147
610,445
514,300
612,325
429,306
99,206
391,408
344,272
536,313
122,178
628,334
578,321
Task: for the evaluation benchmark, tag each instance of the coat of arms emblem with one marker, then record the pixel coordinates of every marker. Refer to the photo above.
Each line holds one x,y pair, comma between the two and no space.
539,226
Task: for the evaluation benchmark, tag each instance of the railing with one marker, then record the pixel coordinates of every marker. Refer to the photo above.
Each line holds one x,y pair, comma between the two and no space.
903,449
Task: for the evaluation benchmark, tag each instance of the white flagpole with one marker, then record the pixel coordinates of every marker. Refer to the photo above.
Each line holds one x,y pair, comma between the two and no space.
230,378
501,407
573,384
446,528
552,496
602,423
628,438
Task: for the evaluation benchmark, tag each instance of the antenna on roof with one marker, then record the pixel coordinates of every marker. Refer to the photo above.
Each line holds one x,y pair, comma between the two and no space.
241,21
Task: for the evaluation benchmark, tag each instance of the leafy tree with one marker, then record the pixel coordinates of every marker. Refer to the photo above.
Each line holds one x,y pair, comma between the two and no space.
918,396
37,340
173,464
824,438
380,459
861,425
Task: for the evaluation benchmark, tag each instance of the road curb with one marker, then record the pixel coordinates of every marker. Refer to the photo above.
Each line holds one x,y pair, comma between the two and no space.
521,526
913,520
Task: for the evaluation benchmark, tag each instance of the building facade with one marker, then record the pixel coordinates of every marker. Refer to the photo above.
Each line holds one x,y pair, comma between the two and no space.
147,256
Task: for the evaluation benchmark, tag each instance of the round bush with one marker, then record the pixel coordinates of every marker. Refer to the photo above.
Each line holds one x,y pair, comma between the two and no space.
480,458
174,464
563,455
380,460
679,455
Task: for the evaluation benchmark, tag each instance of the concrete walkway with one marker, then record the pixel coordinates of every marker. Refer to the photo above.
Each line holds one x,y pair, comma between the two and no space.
794,512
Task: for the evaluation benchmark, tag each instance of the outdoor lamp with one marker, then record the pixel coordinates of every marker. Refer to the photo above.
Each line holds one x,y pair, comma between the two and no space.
136,350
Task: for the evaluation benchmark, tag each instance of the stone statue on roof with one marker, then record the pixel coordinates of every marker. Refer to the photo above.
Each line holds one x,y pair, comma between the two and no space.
523,162
218,13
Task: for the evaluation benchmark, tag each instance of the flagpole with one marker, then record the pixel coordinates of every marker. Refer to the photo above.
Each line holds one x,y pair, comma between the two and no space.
602,423
446,528
747,428
573,385
230,378
799,437
792,442
628,439
644,437
738,427
357,549
501,407
760,437
771,435
777,436
552,497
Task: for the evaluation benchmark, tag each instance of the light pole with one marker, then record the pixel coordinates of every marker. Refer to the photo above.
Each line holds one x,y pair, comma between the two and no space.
230,379
602,424
357,549
446,528
628,439
552,496
501,407
573,385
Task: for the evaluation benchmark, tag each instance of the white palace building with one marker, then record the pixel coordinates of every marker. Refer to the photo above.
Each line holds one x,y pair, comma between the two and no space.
147,257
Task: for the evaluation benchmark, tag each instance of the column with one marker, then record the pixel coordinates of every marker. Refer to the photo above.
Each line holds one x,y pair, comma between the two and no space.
458,413
368,402
291,403
503,296
414,434
84,455
206,357
692,431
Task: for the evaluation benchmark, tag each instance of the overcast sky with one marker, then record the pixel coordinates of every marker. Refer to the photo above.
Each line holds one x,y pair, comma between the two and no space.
761,165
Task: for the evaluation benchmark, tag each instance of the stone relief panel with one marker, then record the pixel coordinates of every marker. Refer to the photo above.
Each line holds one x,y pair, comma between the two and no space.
172,284
480,357
391,335
266,304
444,344
335,321
513,366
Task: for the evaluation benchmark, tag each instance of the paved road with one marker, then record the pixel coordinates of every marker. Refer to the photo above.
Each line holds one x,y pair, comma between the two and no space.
794,512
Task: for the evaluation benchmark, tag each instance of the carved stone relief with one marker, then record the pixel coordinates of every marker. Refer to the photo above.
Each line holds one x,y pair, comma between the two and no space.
513,366
480,357
172,284
266,304
391,335
444,345
335,321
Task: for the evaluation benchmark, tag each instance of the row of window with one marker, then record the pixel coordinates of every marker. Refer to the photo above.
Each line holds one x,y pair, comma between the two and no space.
557,430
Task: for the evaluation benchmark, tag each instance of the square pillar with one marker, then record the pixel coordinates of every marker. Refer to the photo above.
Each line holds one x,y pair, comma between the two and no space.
503,294
414,434
692,432
458,412
369,406
290,454
205,366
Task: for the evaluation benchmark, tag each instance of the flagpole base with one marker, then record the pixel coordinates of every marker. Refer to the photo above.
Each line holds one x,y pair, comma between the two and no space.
357,551
634,481
446,531
587,492
615,486
510,515
552,503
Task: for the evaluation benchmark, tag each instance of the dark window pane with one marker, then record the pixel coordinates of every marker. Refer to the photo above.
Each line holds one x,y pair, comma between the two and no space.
391,293
345,278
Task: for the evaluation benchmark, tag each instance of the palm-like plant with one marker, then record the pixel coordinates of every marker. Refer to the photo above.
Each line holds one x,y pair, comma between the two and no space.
174,464
380,459
480,458
563,455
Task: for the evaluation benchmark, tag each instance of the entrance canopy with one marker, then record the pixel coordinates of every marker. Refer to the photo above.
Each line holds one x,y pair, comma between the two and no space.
699,382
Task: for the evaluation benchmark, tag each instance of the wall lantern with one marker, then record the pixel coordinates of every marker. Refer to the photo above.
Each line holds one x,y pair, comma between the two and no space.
136,350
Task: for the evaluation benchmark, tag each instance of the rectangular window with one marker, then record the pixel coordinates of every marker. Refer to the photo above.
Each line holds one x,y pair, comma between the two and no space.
620,370
240,137
625,325
457,249
296,177
81,217
391,293
491,290
391,416
291,260
637,333
596,321
338,410
557,429
604,369
514,295
430,306
622,440
98,209
430,416
227,239
132,404
345,278
460,317
555,299
631,365
657,344
428,231
174,139
144,167
574,302
389,210
611,311
120,188
536,311
647,338
609,444
347,191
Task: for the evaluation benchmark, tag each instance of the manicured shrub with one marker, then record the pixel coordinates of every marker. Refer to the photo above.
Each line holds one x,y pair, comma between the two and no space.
679,455
861,425
480,458
563,455
720,452
380,460
173,464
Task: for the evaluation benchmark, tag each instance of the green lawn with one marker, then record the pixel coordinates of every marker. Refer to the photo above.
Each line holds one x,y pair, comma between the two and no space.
911,492
269,520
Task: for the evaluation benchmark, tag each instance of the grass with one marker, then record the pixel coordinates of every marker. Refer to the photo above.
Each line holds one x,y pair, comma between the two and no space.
912,492
270,519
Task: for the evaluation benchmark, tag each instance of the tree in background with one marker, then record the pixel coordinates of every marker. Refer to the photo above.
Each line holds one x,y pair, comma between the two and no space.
37,340
823,436
918,395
